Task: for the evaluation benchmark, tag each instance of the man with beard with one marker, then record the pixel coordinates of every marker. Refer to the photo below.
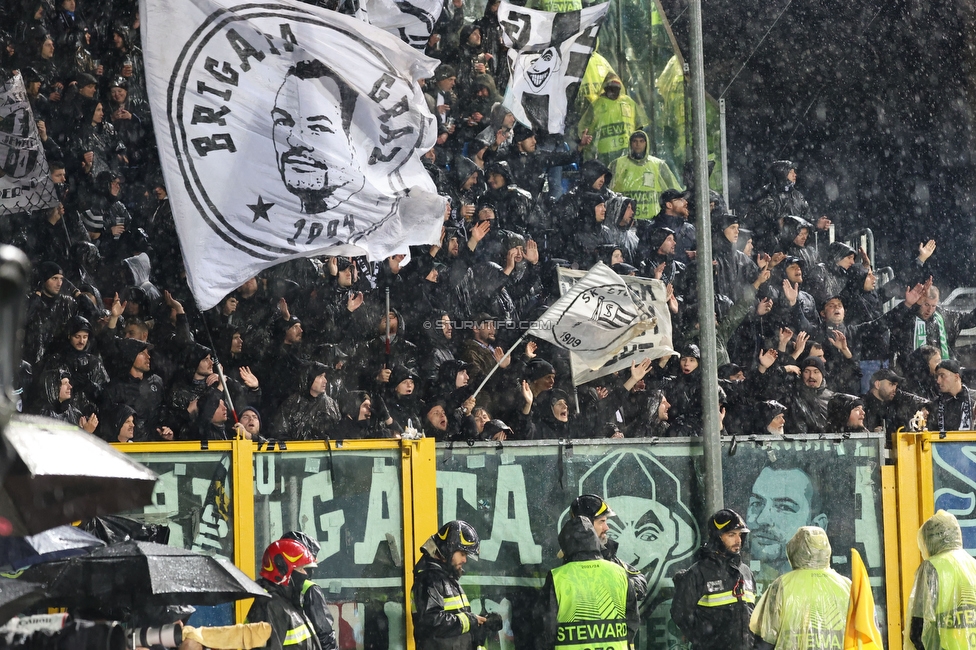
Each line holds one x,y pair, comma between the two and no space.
659,261
952,410
782,500
674,214
315,158
845,414
283,576
595,509
805,396
442,616
641,176
588,601
714,599
886,408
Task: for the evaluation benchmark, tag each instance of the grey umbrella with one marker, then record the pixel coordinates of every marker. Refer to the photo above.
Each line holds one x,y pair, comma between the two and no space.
134,573
61,474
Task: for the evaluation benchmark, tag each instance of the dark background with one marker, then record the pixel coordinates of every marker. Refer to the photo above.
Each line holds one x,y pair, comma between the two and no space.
871,99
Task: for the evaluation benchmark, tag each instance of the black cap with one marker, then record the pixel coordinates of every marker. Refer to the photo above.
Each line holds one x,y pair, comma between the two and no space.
537,369
951,365
670,195
815,362
727,520
887,374
494,426
522,132
590,506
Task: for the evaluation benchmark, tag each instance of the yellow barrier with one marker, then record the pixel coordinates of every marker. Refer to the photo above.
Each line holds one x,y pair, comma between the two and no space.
908,498
417,489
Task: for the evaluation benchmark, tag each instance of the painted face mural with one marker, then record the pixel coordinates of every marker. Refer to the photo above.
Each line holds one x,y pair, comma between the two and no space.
651,524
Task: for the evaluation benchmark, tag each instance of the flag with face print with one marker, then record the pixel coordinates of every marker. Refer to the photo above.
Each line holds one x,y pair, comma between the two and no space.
547,57
286,131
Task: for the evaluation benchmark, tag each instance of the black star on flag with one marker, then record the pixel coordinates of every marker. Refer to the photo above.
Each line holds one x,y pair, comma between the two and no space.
260,210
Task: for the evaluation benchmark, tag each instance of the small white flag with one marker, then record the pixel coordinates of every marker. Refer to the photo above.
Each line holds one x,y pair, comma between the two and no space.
25,181
651,343
286,131
411,20
596,318
547,57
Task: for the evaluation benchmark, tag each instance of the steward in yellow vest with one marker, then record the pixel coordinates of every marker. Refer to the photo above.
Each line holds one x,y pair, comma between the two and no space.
942,605
588,602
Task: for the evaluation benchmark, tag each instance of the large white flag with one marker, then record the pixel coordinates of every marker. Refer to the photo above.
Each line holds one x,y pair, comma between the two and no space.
651,342
286,131
595,318
547,57
412,20
25,181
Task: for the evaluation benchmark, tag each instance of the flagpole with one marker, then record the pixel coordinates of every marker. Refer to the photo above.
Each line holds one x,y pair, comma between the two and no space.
497,364
711,433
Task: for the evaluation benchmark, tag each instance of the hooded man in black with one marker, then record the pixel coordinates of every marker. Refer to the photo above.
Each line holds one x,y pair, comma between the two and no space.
714,598
308,414
48,311
585,585
88,373
135,385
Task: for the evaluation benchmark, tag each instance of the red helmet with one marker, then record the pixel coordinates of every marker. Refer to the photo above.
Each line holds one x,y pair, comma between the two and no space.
283,557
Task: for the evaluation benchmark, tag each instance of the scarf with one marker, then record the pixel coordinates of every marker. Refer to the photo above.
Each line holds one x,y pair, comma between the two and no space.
920,334
966,420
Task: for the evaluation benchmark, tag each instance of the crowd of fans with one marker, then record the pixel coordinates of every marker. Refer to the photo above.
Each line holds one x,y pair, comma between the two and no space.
310,350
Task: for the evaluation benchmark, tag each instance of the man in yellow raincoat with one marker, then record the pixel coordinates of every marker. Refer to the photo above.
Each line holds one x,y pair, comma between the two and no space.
610,120
806,607
942,605
642,177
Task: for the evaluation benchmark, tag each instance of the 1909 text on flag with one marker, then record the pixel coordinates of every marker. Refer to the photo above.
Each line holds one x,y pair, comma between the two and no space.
286,131
651,342
547,57
595,318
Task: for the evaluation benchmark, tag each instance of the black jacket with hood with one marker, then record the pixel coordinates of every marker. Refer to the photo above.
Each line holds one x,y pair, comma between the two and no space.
721,627
435,627
578,542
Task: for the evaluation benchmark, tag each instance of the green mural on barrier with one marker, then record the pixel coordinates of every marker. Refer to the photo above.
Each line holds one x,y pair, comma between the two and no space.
518,497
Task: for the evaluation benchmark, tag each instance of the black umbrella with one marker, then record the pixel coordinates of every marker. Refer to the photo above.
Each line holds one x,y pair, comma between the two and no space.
62,474
16,596
55,544
134,573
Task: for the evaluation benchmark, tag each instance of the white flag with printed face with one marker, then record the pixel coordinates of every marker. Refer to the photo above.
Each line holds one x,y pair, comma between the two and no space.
547,57
412,20
286,131
595,318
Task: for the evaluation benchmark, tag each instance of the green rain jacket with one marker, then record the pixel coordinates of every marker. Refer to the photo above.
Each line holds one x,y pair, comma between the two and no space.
807,607
942,605
611,122
642,180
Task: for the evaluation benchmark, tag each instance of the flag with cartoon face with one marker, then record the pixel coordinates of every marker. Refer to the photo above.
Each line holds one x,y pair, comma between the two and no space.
286,131
547,57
